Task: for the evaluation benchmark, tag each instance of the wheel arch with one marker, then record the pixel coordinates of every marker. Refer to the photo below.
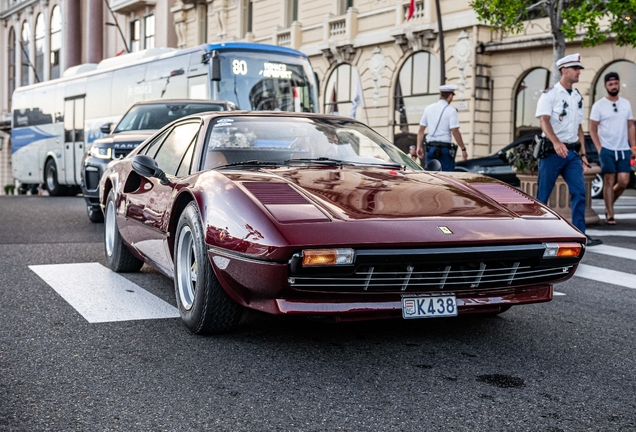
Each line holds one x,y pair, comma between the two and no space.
180,203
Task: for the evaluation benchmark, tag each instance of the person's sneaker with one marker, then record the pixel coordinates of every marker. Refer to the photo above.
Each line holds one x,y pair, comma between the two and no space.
593,241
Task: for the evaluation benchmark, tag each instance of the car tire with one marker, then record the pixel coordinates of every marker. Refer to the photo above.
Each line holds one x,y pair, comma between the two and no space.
118,256
94,213
597,186
204,306
51,182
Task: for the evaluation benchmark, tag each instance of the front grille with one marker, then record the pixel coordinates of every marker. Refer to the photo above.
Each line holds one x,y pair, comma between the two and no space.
117,153
421,277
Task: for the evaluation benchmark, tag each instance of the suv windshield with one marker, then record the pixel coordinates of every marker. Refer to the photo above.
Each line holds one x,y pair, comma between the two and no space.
156,116
286,140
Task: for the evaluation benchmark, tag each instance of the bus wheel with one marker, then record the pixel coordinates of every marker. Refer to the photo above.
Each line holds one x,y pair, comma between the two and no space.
50,176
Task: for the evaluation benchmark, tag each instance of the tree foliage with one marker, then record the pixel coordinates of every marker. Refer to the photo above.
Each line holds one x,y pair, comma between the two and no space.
595,20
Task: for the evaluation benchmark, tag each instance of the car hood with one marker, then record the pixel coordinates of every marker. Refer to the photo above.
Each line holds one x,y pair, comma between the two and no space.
371,193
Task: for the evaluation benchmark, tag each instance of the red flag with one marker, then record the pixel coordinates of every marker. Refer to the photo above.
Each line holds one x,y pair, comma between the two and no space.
411,10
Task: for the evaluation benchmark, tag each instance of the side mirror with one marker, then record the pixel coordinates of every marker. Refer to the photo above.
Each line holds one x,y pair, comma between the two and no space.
106,128
433,165
146,166
215,67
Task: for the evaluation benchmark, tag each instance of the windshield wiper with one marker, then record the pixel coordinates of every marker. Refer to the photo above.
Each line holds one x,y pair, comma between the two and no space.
251,162
320,160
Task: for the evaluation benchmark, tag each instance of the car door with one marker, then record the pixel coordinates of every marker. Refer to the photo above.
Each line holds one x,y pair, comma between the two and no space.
148,206
73,140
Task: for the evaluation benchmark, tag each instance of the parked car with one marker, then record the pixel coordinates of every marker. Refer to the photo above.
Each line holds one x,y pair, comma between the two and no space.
306,214
497,166
141,121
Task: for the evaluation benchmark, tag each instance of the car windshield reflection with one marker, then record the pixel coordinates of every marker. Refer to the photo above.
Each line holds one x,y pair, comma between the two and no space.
293,141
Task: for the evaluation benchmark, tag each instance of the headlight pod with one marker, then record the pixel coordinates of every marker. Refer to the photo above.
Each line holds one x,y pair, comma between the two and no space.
102,152
327,257
562,250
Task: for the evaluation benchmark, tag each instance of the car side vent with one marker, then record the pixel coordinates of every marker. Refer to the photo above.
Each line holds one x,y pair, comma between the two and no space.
501,193
275,193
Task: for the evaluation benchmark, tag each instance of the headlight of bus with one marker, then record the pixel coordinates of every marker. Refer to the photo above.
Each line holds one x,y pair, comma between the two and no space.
101,152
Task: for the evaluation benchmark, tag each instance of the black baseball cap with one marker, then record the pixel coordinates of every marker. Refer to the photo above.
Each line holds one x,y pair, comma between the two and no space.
611,76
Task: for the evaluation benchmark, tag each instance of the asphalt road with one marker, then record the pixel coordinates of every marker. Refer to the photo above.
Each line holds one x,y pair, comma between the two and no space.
564,365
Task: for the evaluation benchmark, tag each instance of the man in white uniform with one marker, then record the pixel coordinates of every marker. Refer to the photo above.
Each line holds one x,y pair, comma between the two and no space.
442,121
613,132
560,112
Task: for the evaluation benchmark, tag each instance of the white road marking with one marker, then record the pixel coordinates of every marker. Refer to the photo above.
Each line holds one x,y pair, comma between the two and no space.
557,293
609,233
101,295
606,276
614,251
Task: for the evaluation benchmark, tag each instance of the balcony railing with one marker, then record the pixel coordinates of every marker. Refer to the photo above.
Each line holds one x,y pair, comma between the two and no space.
125,6
419,12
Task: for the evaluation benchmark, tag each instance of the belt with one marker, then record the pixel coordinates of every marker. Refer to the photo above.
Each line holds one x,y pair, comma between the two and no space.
439,144
571,146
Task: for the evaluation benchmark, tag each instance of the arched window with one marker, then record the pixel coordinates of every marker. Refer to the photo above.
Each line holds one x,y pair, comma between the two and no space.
25,47
626,71
417,87
56,42
342,88
39,48
528,92
11,58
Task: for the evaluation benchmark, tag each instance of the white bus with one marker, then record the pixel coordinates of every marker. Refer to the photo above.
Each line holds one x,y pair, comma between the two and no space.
55,122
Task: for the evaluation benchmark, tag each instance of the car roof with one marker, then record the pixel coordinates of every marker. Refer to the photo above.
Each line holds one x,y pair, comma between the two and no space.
244,113
183,101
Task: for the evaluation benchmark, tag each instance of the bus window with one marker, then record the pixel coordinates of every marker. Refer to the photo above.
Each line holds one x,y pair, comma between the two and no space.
129,86
98,98
198,87
167,79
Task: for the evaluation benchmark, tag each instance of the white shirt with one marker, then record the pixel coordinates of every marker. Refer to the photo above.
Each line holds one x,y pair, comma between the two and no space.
556,101
447,121
612,125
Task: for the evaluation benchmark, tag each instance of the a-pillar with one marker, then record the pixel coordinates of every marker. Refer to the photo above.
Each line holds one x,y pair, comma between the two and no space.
73,38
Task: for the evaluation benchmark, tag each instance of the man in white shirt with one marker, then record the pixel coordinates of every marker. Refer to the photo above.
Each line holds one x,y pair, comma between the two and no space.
560,112
442,121
614,135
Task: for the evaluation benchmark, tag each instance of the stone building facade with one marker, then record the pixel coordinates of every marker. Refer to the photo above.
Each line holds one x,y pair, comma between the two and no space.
357,47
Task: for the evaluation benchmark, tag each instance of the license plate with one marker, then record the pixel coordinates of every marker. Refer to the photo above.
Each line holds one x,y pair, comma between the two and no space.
429,307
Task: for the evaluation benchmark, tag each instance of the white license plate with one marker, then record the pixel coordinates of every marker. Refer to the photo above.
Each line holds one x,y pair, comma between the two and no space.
429,307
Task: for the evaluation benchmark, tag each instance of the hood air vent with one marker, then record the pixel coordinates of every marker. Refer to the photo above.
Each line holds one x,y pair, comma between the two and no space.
501,193
275,193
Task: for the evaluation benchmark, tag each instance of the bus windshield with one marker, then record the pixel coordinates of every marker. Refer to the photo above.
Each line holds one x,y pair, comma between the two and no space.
277,83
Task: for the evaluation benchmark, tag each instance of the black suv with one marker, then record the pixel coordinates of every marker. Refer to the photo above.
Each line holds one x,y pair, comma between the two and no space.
497,166
141,121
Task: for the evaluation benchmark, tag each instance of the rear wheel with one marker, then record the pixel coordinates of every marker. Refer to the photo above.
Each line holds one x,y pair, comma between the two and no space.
51,180
203,304
118,256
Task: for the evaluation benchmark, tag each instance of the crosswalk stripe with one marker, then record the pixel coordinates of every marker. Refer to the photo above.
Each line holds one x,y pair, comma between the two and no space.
614,251
101,295
609,233
606,276
619,216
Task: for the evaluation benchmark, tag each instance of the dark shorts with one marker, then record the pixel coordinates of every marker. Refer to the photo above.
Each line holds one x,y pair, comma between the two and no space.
615,161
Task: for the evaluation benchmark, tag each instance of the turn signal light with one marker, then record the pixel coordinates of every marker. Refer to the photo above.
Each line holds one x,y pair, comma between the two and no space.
562,250
324,257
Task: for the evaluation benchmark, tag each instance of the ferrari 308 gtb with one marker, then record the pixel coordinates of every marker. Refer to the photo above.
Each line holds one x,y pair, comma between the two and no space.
321,216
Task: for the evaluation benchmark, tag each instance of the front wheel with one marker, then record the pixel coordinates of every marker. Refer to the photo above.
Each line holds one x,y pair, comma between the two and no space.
118,256
597,186
203,304
94,213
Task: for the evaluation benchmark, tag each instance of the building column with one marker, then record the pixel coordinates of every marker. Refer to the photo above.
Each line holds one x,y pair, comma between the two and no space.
95,31
47,43
73,35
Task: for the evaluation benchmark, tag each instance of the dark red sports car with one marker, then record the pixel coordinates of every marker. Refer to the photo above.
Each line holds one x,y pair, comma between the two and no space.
322,216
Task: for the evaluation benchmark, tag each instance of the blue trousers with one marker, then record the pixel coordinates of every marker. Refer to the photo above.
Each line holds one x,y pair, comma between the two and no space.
448,163
571,170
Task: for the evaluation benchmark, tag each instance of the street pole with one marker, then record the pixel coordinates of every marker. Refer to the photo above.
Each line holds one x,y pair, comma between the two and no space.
440,32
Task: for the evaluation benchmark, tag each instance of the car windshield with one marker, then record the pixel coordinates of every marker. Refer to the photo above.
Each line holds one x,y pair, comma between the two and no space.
156,116
280,140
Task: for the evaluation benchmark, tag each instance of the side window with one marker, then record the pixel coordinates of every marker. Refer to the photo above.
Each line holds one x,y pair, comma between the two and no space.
175,146
184,168
151,148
